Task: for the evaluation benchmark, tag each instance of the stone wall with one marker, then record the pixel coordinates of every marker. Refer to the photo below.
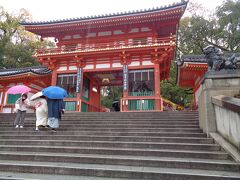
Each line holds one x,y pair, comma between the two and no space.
215,83
227,112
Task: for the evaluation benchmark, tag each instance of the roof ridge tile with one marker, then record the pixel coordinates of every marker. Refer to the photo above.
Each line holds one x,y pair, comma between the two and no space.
107,15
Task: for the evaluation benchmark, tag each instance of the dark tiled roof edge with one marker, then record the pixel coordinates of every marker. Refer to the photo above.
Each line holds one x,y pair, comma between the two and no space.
201,58
23,68
15,71
107,15
194,58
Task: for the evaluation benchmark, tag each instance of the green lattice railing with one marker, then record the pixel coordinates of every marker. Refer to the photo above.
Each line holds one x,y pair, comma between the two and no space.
140,105
145,93
70,105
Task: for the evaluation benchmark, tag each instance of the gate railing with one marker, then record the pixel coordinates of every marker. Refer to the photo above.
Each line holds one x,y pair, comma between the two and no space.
167,41
142,103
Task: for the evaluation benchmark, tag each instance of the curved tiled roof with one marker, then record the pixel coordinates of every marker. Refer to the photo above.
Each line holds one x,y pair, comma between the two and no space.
194,58
183,2
201,58
39,70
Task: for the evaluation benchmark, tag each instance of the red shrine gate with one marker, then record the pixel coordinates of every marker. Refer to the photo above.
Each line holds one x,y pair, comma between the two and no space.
133,50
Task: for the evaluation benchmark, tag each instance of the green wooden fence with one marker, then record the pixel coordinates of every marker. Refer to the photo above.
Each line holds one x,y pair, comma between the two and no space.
141,105
70,105
84,107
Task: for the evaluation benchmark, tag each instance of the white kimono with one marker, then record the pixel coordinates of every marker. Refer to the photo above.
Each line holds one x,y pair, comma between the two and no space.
41,112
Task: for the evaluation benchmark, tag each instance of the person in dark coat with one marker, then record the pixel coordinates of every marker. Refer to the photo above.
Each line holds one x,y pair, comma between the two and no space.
116,105
55,109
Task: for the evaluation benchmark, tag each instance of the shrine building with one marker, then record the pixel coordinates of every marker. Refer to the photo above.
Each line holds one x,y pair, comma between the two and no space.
191,70
133,50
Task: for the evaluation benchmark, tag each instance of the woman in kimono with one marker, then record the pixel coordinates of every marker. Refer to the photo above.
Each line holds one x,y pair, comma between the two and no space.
55,108
41,112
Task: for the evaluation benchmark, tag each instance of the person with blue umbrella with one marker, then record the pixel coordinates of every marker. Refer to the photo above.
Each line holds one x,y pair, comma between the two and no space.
55,104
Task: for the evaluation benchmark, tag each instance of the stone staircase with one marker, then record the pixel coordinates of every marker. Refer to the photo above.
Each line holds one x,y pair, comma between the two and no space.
159,145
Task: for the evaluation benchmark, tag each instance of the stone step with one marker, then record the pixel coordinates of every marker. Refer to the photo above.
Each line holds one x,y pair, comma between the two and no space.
116,171
112,138
184,163
62,128
152,112
73,126
132,117
35,176
110,125
110,122
162,145
121,123
120,144
160,115
134,113
179,153
136,118
32,121
164,113
31,132
130,114
114,117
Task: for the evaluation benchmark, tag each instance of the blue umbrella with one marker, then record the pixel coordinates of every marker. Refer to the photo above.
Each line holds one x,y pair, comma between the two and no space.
54,92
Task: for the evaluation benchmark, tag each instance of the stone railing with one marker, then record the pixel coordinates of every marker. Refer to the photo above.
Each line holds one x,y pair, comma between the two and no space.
219,111
227,113
225,82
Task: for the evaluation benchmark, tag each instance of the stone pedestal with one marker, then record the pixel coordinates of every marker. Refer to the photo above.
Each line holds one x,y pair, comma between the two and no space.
225,82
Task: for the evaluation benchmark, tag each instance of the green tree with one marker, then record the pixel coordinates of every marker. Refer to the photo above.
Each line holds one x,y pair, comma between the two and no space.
170,90
221,29
228,16
17,45
110,94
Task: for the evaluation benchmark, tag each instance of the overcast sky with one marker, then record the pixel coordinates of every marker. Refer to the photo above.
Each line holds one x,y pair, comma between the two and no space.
43,10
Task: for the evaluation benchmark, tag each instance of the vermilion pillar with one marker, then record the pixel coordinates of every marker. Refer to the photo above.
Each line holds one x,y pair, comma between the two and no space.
125,60
158,57
125,87
94,96
4,94
157,104
52,66
80,65
2,101
79,88
54,77
194,100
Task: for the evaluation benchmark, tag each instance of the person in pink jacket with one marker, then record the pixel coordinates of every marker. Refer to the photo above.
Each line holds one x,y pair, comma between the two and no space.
21,106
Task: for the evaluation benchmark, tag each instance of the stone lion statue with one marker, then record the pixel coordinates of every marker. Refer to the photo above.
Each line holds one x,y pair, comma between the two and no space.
216,59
